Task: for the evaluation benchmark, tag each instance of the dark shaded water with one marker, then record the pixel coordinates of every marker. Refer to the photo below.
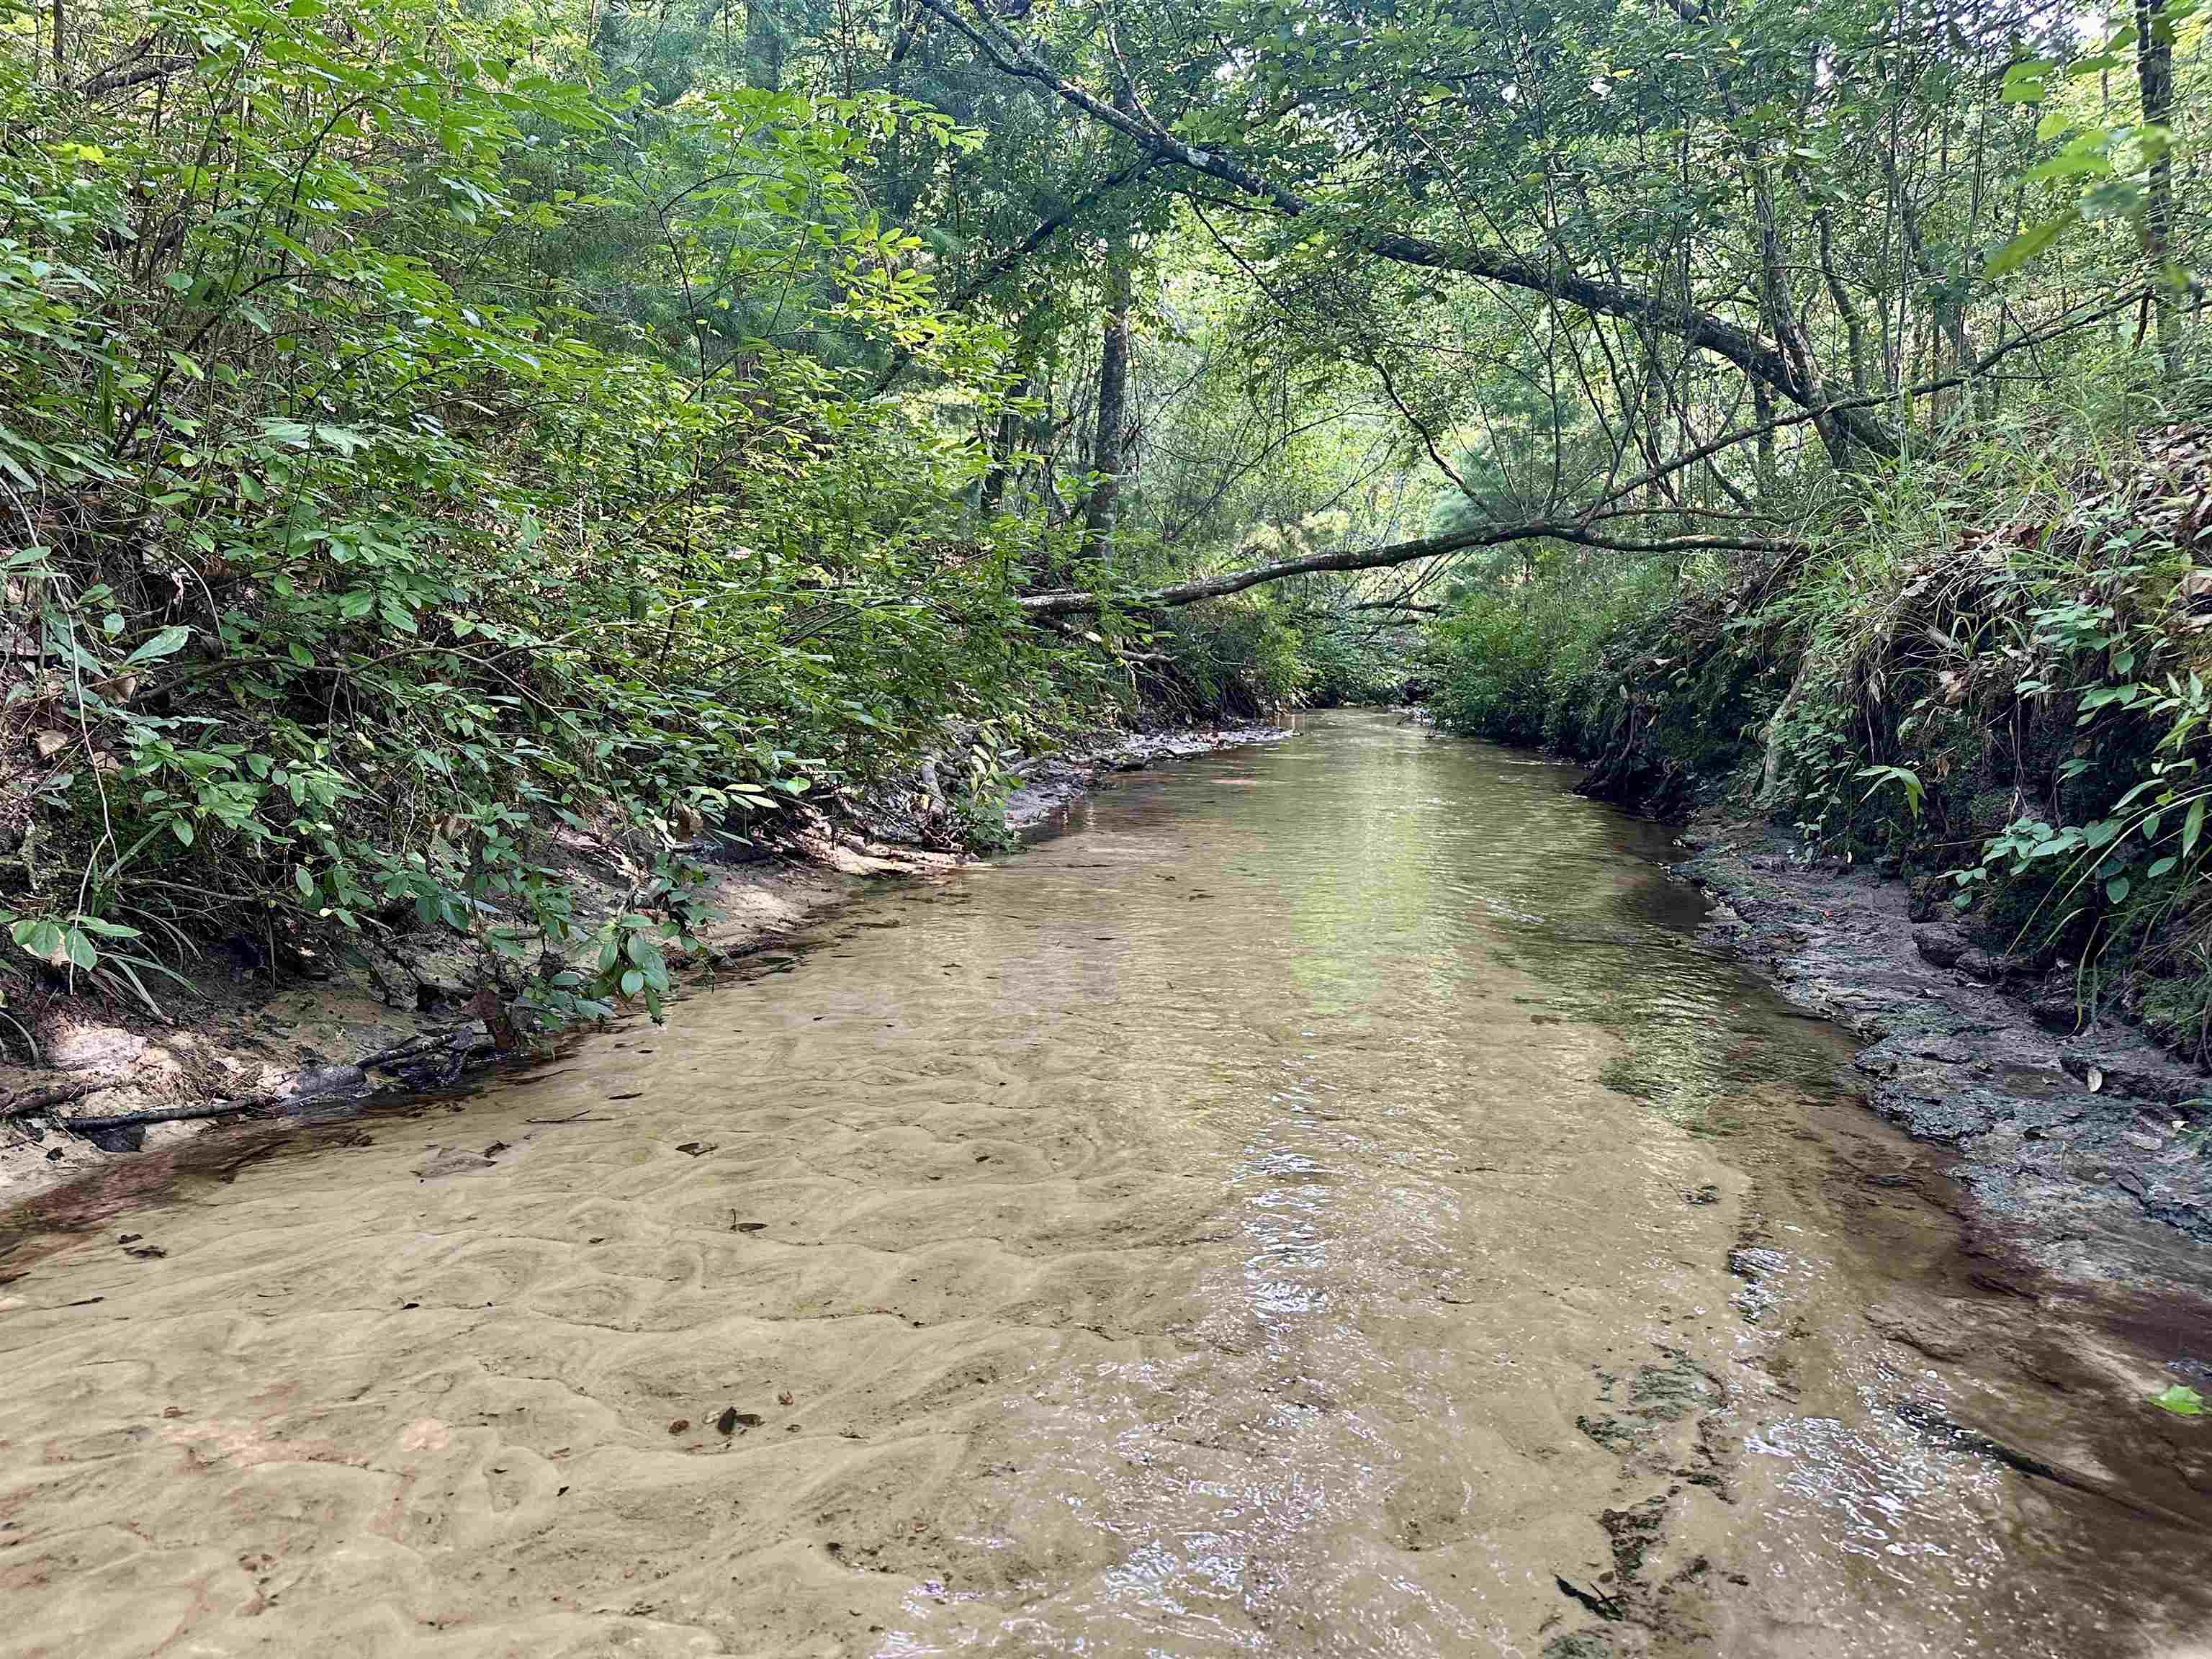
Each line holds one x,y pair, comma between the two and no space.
1326,1203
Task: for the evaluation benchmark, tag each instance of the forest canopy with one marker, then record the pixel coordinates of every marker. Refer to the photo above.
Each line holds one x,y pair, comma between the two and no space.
435,433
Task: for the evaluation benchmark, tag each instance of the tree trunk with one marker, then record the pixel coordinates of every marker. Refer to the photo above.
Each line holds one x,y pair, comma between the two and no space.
1007,437
1948,305
1762,412
764,47
1854,325
1781,298
2154,75
1106,456
1098,515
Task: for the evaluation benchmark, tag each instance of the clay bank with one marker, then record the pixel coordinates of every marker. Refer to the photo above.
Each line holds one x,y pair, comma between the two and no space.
1329,1201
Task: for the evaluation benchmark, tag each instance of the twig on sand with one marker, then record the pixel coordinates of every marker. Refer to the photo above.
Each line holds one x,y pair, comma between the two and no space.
167,1115
31,1102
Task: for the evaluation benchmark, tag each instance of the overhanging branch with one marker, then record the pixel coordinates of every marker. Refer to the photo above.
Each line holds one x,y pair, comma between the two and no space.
1381,558
1576,530
1700,330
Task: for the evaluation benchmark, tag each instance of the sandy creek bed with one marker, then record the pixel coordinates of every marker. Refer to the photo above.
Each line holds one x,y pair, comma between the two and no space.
1324,1204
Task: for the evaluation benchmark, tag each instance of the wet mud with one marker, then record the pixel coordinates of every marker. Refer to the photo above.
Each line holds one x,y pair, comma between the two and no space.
1327,1202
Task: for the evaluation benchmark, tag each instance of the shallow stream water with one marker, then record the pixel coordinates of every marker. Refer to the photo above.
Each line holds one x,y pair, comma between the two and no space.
1324,1203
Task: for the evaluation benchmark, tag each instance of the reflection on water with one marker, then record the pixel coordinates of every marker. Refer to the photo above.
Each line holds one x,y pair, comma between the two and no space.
1325,1203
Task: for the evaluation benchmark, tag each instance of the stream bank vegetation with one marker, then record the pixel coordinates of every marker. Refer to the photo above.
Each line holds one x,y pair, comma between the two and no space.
445,445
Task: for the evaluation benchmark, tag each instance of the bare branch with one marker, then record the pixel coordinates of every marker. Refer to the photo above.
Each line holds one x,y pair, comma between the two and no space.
1381,558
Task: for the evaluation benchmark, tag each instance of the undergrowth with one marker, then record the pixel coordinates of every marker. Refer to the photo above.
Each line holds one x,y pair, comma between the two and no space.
1984,668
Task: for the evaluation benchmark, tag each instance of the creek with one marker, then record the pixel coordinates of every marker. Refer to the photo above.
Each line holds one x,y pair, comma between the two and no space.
1326,1201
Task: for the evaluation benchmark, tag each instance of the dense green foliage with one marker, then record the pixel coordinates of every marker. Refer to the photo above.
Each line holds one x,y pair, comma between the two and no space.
447,443
426,453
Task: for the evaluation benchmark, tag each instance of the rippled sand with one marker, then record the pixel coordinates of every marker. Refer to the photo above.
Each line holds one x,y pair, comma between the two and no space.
1324,1204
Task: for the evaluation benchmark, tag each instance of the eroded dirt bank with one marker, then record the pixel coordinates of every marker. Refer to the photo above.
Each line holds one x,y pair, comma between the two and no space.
1327,1203
324,1037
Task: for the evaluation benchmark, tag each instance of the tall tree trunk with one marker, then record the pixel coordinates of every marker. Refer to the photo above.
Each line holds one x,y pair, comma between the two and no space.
764,47
1947,304
1762,412
1099,513
1781,298
1854,325
1012,425
2154,75
1106,457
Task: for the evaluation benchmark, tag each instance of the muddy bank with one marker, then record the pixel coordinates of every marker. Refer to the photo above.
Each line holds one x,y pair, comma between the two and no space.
409,1015
2076,1138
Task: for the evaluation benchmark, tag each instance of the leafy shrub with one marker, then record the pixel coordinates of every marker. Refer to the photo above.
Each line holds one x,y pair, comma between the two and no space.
364,570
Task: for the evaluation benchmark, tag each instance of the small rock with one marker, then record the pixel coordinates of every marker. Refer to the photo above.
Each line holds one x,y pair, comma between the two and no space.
323,1081
696,1148
1990,967
1942,947
2057,1012
676,1425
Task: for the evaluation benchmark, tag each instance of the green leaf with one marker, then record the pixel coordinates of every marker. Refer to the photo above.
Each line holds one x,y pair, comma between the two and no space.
342,438
2118,889
2192,827
304,881
80,949
2181,1400
167,643
632,982
2026,246
2071,163
38,938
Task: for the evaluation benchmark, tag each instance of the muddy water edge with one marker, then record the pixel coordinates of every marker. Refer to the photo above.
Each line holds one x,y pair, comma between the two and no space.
1325,1202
